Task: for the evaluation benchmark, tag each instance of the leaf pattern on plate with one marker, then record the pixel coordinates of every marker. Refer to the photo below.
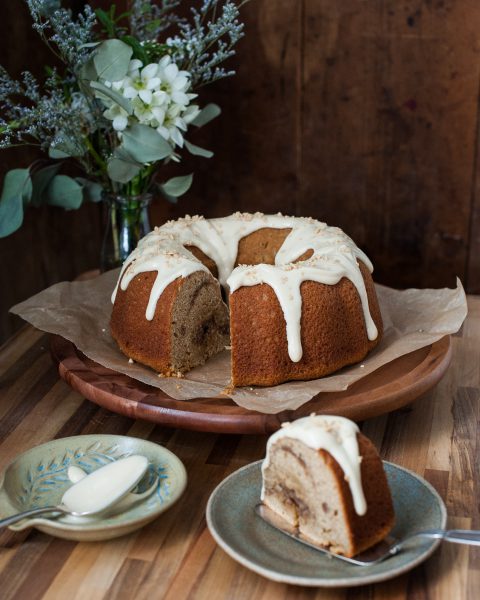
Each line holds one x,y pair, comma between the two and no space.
47,476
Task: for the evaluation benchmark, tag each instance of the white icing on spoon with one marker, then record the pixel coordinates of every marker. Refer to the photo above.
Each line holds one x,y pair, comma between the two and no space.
105,486
75,474
335,435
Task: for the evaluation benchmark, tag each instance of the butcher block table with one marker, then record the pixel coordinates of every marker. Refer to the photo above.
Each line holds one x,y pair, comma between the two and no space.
438,436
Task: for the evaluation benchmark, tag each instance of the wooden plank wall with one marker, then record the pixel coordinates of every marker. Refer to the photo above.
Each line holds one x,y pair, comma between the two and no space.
363,114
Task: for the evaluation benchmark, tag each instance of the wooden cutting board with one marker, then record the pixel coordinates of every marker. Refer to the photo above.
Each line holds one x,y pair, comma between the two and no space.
392,386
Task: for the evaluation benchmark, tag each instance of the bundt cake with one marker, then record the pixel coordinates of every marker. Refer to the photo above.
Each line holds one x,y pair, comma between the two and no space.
301,298
325,478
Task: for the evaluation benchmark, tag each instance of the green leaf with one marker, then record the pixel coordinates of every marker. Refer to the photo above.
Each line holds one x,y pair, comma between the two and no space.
92,191
65,147
177,186
136,46
16,192
145,144
64,191
105,20
207,114
87,71
197,150
122,167
40,180
111,60
103,90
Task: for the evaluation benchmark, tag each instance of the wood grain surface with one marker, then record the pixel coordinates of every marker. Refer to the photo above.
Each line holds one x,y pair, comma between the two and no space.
392,386
363,114
175,557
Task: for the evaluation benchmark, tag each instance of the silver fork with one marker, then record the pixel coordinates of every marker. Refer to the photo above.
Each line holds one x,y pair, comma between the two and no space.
385,549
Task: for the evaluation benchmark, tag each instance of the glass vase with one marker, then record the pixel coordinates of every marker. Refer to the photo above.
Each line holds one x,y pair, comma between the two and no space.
127,223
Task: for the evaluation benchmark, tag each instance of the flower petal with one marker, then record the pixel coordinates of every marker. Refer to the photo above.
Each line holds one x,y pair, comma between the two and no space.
120,122
180,83
130,92
135,64
176,136
149,71
159,114
163,131
146,96
180,98
170,72
153,83
164,61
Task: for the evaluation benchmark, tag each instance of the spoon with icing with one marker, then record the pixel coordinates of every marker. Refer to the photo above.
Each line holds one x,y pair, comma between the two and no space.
94,493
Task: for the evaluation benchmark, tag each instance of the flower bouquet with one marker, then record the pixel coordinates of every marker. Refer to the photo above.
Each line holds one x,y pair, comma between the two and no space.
121,106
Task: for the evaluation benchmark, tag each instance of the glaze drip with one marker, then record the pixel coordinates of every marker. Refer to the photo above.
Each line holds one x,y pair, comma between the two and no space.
335,435
334,256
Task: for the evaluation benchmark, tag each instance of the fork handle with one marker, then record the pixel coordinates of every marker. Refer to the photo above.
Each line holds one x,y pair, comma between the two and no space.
463,536
33,512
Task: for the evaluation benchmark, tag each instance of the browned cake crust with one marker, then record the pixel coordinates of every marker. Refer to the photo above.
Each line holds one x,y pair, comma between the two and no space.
371,528
332,328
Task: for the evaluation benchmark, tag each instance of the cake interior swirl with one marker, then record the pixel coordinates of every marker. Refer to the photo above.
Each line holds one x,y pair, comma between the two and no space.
301,300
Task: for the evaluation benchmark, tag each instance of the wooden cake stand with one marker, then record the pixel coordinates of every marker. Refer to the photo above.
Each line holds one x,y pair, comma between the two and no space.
392,386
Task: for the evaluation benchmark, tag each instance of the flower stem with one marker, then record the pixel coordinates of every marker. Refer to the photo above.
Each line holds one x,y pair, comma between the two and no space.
98,159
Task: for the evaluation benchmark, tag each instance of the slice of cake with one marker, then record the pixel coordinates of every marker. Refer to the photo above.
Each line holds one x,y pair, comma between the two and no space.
326,479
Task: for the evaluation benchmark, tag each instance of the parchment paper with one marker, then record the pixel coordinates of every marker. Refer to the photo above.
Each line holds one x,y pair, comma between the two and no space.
80,312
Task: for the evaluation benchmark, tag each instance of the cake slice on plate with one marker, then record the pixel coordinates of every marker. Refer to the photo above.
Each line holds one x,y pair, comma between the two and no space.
324,477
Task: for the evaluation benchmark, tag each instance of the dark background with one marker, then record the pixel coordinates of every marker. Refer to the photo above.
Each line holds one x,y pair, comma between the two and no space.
361,114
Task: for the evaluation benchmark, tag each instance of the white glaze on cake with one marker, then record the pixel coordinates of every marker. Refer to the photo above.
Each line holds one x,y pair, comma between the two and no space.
334,256
335,435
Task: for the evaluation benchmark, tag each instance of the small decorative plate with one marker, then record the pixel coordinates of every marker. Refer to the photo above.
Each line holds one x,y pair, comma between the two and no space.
256,545
38,477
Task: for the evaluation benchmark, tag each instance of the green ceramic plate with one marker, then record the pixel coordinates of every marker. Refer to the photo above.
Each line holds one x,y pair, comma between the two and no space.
256,545
38,477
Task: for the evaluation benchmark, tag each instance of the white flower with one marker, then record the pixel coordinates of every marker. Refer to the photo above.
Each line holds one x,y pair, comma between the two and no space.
159,96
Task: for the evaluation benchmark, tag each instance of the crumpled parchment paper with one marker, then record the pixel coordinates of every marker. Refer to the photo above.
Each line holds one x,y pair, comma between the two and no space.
80,312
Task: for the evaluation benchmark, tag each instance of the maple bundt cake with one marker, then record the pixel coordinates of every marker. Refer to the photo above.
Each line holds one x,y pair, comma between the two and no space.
326,479
302,300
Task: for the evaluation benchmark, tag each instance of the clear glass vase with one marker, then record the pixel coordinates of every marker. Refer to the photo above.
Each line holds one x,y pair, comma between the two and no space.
127,223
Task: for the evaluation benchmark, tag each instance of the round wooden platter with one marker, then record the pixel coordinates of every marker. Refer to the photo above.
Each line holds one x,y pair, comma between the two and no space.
392,386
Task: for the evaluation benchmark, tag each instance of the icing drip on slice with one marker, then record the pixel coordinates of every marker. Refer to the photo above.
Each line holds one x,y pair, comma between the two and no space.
335,435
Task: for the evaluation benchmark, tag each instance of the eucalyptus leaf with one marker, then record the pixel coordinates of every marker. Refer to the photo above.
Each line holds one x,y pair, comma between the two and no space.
65,147
92,191
207,114
177,186
145,144
65,192
111,60
41,180
197,150
121,167
87,72
103,90
16,192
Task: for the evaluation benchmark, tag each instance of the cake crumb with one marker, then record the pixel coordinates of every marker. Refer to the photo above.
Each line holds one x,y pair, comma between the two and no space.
228,347
131,361
103,329
361,366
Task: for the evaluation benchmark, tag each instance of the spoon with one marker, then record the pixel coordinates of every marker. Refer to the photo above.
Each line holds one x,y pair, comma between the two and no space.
75,474
390,546
94,493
